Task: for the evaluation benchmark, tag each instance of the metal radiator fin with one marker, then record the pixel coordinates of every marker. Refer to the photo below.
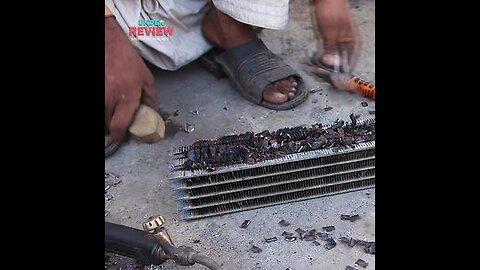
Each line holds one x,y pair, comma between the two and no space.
295,177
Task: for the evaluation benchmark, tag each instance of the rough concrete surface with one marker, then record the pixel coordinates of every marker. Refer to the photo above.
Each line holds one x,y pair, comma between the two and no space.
144,169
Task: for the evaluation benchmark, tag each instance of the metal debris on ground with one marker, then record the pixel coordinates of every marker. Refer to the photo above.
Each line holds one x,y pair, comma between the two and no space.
352,218
188,128
195,112
352,242
110,175
327,108
370,248
350,268
323,236
330,243
364,104
328,228
361,263
196,241
245,224
310,235
315,89
290,239
107,187
362,243
255,249
175,113
234,149
284,223
107,213
112,182
273,239
301,233
225,108
287,234
371,112
108,196
314,101
315,243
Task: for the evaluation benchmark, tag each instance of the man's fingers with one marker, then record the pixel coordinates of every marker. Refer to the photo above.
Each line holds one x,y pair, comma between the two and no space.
149,93
122,118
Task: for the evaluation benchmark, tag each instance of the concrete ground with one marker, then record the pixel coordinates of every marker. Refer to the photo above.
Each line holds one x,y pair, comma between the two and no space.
144,169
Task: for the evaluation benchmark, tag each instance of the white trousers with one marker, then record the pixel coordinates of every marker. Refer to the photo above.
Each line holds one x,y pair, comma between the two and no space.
187,43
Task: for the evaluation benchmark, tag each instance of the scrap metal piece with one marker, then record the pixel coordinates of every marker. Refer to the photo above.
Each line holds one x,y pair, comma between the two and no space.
352,218
110,175
287,234
315,89
364,104
327,108
245,224
323,236
107,187
350,268
255,249
290,239
328,228
371,112
108,196
189,128
351,242
195,112
362,243
112,181
272,239
310,235
301,233
370,248
361,263
284,223
331,243
315,243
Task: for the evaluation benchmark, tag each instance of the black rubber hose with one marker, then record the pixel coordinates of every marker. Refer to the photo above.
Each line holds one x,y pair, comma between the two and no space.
133,243
204,260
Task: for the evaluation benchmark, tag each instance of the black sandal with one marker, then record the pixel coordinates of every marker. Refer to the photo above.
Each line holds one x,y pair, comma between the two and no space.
252,66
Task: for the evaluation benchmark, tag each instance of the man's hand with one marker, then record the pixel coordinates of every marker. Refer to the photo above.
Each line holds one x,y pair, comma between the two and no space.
337,32
128,81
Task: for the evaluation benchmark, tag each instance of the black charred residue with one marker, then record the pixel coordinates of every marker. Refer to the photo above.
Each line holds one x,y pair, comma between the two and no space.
250,148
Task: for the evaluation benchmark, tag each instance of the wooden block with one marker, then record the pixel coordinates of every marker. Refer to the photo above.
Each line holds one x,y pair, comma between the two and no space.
148,126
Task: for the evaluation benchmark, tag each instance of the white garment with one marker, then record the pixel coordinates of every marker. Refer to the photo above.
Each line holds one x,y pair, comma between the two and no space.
185,16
